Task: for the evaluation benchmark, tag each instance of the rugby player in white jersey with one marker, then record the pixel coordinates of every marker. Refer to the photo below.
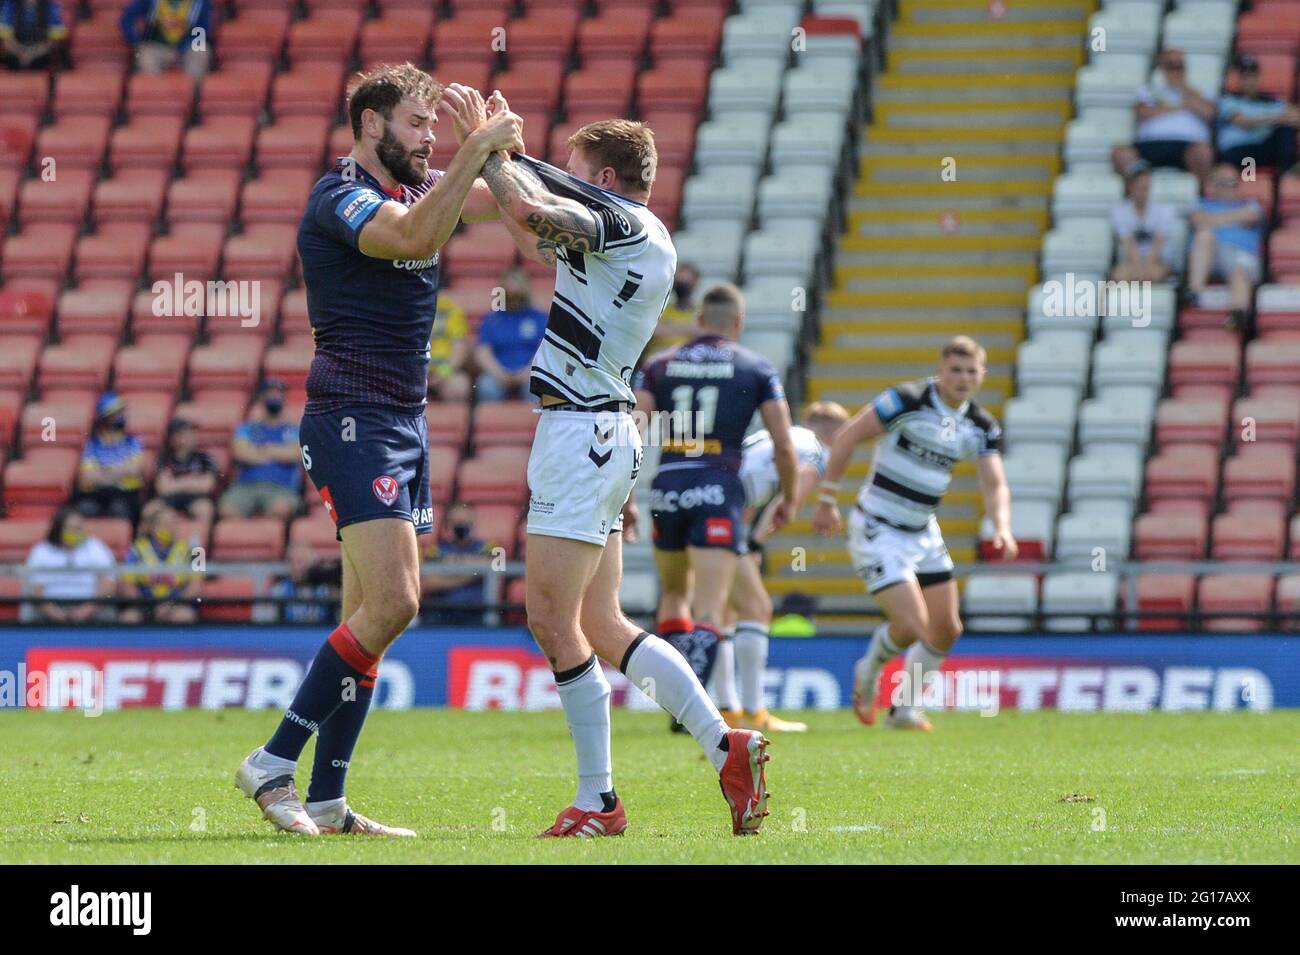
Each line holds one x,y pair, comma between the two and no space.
615,265
743,655
894,537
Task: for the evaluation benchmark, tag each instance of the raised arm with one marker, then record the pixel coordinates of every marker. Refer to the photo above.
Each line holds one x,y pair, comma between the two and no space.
863,426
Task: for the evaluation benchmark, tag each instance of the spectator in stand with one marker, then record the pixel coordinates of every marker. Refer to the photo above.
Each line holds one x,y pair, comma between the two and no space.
266,451
449,353
458,544
1256,126
310,589
1144,230
69,546
164,33
159,577
1229,231
508,340
32,34
187,475
112,465
677,323
1173,122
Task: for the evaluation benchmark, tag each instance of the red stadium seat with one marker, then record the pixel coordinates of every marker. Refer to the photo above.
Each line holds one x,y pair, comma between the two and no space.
57,423
158,313
154,363
604,86
398,39
483,250
130,196
1165,593
240,90
82,362
295,142
475,35
1159,536
1235,593
214,421
256,34
148,413
191,248
18,362
1269,31
25,311
115,532
102,307
294,321
498,526
62,200
26,92
442,472
289,363
1260,470
222,142
1284,252
231,587
1183,471
262,251
493,480
153,141
1288,601
504,423
78,142
17,134
468,71
1272,362
448,423
325,35
317,531
41,479
1266,419
160,94
1203,363
209,195
248,538
615,36
232,362
687,35
530,85
546,33
98,40
1199,421
277,196
115,252
309,89
93,91
18,537
677,85
1247,537
41,251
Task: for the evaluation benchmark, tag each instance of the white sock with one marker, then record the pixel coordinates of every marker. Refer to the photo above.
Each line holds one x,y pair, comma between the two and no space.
929,659
751,661
272,765
723,679
664,675
331,810
586,708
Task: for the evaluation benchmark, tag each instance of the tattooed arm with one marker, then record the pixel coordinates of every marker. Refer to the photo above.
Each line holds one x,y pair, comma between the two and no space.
525,202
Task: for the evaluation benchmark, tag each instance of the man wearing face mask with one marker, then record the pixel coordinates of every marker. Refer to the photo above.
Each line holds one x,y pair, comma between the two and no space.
459,544
112,465
677,323
265,450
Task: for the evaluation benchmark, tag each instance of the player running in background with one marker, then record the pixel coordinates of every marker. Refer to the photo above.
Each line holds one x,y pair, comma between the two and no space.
708,390
615,268
369,242
894,539
749,609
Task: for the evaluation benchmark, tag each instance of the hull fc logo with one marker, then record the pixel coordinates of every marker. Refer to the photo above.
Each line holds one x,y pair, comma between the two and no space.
385,489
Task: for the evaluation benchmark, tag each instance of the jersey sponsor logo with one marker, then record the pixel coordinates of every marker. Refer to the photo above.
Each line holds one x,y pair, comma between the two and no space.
718,530
888,405
416,265
700,369
421,515
385,489
705,495
353,207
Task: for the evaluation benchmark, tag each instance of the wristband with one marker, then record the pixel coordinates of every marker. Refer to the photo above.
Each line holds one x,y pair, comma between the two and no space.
829,486
828,499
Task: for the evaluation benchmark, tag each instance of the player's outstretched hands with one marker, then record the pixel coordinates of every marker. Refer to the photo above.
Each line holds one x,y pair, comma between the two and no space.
503,130
826,519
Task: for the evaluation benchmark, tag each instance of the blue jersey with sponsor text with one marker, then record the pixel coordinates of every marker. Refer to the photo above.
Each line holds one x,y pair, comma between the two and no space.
371,318
705,394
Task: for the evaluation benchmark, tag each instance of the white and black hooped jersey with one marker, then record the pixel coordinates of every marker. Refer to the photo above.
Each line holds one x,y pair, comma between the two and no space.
758,463
607,301
914,460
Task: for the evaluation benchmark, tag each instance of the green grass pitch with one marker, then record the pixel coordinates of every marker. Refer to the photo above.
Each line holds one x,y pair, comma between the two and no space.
144,786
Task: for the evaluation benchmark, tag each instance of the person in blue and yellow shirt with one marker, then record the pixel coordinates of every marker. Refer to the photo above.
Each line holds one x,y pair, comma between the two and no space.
159,572
32,34
164,33
112,465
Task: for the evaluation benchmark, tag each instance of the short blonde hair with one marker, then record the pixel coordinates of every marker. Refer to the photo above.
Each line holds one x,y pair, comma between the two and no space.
966,347
626,146
832,412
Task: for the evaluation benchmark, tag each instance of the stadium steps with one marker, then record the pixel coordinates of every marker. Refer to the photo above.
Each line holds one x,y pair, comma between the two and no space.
927,255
